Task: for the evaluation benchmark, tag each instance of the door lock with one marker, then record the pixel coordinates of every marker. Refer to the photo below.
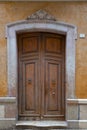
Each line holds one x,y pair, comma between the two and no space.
29,81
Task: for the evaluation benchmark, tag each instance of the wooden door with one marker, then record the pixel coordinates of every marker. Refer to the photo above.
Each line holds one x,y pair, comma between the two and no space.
41,73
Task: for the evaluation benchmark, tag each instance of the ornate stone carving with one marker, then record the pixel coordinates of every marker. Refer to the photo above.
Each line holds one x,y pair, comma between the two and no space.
41,15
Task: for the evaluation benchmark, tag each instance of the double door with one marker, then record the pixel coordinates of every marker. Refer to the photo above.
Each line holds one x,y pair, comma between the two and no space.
41,76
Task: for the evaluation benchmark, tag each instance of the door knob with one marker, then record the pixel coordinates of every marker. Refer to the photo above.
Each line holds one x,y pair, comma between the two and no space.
41,117
53,93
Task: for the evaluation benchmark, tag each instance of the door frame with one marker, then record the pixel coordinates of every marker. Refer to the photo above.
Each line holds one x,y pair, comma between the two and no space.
42,24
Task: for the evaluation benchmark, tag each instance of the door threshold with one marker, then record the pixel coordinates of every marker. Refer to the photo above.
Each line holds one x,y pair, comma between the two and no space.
41,124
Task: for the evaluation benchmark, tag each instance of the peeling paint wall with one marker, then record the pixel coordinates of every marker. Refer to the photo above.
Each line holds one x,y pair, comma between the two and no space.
69,12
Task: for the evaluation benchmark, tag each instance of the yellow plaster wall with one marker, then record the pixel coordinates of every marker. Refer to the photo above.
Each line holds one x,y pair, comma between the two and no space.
69,12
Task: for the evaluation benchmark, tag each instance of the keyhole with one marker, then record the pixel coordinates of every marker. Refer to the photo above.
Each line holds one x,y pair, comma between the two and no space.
29,81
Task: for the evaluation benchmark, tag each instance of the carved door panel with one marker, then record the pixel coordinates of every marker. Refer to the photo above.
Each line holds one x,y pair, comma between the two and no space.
41,76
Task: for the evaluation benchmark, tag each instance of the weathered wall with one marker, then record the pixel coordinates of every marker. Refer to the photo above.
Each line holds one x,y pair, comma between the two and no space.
69,12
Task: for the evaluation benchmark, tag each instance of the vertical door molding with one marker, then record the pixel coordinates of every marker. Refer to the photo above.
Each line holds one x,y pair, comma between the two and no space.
41,21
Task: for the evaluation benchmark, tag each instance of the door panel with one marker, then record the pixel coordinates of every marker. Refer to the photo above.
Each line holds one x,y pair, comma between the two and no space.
53,45
41,76
52,87
52,90
30,83
30,89
29,44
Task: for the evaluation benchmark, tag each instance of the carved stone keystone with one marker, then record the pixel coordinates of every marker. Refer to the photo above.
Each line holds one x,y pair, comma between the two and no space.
41,15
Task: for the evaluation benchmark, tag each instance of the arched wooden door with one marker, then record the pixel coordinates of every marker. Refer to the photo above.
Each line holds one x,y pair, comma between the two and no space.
41,72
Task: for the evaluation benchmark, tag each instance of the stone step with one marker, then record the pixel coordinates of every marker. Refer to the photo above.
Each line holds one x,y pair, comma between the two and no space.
41,125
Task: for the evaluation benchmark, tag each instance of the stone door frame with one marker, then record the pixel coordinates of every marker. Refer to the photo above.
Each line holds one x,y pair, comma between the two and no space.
41,21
